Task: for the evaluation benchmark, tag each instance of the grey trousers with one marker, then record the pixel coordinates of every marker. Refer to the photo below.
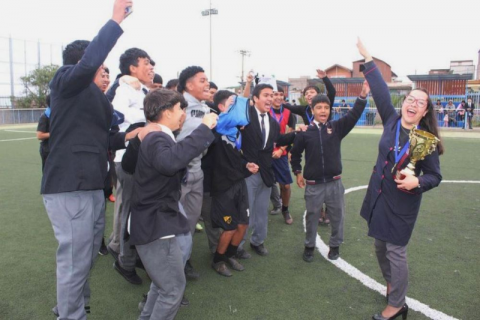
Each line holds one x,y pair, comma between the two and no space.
275,197
78,221
258,195
164,261
213,234
332,194
192,198
127,254
393,264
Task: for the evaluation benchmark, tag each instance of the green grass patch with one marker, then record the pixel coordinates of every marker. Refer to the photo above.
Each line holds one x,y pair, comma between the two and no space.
443,252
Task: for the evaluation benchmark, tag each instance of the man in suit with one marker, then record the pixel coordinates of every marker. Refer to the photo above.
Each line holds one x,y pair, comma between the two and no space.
159,230
469,107
75,173
258,141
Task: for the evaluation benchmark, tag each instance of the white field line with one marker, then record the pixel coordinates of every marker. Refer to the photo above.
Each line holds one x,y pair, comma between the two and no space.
20,131
18,139
373,284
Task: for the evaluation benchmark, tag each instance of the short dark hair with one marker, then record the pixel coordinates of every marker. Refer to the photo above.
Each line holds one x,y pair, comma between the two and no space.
130,58
343,100
159,100
213,85
280,89
311,87
171,84
157,78
74,51
106,70
319,98
186,74
258,89
220,97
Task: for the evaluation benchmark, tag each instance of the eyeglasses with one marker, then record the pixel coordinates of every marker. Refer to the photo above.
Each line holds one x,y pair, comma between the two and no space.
420,102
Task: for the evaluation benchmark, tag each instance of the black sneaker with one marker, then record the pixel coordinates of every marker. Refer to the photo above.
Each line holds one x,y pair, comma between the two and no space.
260,249
308,254
242,254
190,272
103,248
334,253
130,276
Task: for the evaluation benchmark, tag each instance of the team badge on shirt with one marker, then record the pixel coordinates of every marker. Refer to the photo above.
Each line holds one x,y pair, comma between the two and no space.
228,219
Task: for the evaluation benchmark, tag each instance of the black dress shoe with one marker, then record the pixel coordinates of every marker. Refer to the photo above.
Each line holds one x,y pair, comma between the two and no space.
402,312
334,253
308,254
260,250
185,302
242,254
190,272
130,276
103,248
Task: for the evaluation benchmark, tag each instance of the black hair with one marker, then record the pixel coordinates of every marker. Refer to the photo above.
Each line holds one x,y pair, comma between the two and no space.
280,89
429,121
74,51
157,78
213,85
171,84
311,87
130,58
185,75
159,100
106,70
258,89
321,98
463,101
220,97
153,63
343,100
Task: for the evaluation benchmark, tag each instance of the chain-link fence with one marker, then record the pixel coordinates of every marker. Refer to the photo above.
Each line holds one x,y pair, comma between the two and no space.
18,58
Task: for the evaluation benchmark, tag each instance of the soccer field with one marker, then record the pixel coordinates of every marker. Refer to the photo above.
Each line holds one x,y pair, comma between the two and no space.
443,254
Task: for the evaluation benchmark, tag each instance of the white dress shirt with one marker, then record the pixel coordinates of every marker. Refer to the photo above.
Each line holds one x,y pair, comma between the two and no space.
266,121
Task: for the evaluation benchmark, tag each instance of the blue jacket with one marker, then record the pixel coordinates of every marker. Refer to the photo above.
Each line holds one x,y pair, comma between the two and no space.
391,213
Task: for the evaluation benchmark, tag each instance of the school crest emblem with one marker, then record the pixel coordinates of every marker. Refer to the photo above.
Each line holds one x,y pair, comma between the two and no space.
227,219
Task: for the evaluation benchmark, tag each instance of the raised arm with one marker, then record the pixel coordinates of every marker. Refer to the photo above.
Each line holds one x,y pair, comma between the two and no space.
380,92
346,123
331,92
71,81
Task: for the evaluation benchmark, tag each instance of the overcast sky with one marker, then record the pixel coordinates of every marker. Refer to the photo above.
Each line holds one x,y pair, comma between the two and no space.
286,38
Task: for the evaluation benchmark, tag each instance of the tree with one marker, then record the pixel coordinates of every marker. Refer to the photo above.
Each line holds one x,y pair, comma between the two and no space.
36,87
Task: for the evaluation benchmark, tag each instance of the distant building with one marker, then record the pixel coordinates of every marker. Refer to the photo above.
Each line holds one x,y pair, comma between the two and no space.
463,67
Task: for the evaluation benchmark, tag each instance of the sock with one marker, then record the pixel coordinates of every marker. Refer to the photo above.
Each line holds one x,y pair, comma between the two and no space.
231,251
219,257
284,208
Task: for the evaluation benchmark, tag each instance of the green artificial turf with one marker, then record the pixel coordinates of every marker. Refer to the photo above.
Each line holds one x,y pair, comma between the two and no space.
443,253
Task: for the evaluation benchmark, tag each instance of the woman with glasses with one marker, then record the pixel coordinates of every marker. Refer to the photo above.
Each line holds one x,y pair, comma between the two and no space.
391,204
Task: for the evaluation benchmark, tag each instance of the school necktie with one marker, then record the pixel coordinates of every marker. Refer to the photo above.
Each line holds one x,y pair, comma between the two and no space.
262,124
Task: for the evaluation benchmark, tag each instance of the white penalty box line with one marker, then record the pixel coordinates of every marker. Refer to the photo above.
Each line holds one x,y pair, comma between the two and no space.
373,284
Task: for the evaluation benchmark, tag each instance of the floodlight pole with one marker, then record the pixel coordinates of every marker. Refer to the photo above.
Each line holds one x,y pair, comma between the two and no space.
209,12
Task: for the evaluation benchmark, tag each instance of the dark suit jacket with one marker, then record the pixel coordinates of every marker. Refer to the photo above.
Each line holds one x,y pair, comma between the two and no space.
160,167
252,145
80,121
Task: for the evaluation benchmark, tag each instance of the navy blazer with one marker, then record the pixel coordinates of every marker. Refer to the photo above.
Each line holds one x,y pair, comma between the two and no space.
252,145
391,213
80,121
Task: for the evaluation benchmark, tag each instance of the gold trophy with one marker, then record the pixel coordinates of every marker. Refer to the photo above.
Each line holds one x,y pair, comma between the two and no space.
422,144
